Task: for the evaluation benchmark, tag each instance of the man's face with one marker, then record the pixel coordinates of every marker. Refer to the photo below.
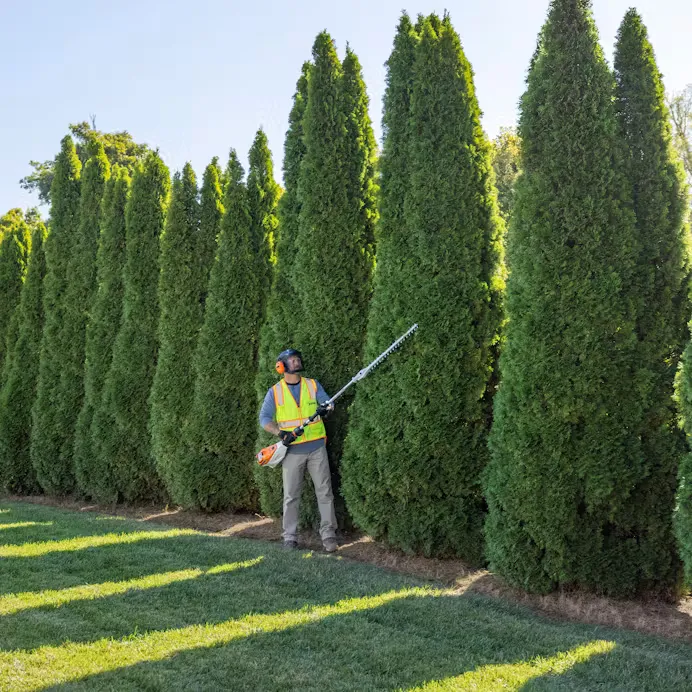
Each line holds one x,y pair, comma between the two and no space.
294,363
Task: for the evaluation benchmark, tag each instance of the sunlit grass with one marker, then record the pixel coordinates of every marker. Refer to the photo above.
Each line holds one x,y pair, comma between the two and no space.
25,524
50,665
512,676
204,612
82,542
15,603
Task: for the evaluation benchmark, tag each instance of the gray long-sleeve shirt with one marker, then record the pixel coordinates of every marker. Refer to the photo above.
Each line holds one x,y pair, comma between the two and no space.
268,414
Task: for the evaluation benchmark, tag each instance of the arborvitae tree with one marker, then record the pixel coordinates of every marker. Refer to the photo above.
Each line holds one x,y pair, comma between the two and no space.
220,434
660,291
263,196
277,333
120,426
334,254
683,513
78,300
181,284
17,473
14,252
361,150
378,415
47,436
565,445
11,336
211,212
102,328
450,282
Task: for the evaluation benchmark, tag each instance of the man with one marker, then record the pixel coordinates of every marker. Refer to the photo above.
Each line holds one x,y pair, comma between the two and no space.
290,402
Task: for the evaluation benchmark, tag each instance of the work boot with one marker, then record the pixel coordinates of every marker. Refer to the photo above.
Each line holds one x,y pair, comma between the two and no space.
290,545
330,545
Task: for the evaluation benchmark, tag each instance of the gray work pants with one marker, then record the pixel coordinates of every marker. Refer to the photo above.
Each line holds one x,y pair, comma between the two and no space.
293,474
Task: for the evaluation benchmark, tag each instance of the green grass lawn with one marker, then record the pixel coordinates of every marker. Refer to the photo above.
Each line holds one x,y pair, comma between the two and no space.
101,603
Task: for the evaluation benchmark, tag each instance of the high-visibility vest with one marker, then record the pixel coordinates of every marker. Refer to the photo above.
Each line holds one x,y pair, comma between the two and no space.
289,415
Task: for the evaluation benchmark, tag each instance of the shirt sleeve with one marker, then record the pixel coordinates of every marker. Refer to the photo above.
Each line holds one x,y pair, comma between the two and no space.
321,394
268,410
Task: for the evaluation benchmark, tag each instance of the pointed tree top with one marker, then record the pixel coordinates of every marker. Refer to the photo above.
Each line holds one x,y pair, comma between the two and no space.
234,169
324,48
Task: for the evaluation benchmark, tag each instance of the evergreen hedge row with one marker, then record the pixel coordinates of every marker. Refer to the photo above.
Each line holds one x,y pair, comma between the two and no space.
47,435
17,473
91,469
121,421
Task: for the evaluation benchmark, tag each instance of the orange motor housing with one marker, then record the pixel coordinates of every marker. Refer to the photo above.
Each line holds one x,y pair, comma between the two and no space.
264,455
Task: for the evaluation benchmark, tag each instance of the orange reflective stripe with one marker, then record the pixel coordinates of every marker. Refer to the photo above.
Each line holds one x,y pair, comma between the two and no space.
295,422
278,394
312,388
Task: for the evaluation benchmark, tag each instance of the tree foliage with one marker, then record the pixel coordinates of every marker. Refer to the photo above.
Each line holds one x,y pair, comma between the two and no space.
77,303
334,254
506,157
17,473
430,493
680,105
278,330
102,328
211,213
263,197
119,147
217,470
47,436
660,292
121,423
378,414
565,447
182,282
15,244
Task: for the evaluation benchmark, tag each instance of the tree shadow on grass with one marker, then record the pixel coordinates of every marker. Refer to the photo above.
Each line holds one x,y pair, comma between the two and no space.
403,644
55,525
279,581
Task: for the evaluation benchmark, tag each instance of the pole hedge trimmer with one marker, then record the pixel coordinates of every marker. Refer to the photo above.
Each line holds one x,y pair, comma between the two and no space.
274,455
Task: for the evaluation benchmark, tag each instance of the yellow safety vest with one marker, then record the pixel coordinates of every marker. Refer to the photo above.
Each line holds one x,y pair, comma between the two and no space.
289,415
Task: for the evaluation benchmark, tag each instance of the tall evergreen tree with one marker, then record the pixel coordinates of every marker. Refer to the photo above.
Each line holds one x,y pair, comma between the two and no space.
334,253
78,300
120,426
565,442
220,435
14,252
17,473
102,328
180,288
277,333
660,291
46,435
451,285
361,150
211,213
377,414
263,197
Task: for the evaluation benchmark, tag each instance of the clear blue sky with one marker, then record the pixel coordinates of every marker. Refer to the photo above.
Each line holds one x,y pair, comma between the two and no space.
196,78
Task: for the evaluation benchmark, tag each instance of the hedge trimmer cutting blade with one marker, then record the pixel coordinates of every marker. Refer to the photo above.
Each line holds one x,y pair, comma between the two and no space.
274,455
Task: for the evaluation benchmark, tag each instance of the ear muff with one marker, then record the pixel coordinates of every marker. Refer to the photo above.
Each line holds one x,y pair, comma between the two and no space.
280,367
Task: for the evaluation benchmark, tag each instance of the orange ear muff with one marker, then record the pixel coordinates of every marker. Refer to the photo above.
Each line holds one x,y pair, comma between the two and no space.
280,367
